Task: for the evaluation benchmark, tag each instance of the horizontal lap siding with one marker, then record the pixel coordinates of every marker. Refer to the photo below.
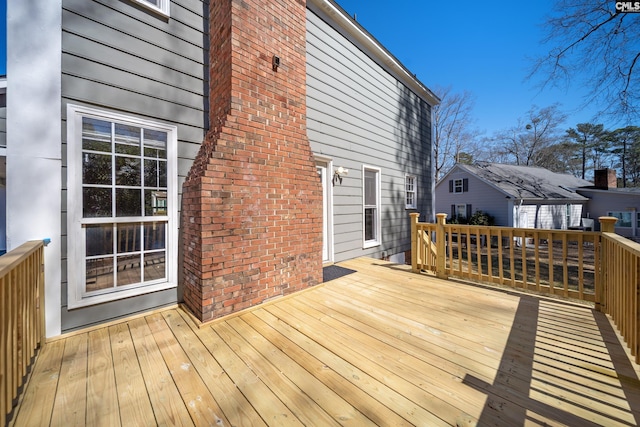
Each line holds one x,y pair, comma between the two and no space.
121,57
481,196
359,114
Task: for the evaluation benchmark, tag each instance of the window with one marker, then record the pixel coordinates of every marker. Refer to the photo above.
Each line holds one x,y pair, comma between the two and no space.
371,206
410,191
161,6
459,185
624,218
638,220
122,206
461,212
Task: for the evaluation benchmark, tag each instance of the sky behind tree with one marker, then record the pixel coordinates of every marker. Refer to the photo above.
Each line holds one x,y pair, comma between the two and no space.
484,47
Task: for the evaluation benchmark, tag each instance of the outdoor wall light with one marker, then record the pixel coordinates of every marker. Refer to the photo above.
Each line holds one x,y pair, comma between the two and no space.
275,62
338,174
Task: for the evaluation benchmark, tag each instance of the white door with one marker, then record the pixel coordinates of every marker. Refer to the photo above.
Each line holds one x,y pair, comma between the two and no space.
323,172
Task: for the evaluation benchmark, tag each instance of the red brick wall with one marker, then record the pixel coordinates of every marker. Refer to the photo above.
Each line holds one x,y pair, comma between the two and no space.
252,202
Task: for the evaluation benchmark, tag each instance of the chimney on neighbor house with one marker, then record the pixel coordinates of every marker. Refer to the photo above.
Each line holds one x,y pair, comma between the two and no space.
252,201
605,178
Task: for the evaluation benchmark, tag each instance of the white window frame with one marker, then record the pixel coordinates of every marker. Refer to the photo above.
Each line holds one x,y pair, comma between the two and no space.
411,191
456,186
378,227
76,275
163,7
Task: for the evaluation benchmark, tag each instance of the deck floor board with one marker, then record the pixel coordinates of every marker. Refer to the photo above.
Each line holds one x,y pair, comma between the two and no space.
381,346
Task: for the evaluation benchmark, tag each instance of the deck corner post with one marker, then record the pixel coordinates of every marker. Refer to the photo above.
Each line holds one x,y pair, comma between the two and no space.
441,253
414,241
607,225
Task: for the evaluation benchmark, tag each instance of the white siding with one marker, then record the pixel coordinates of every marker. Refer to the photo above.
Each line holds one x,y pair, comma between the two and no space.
480,196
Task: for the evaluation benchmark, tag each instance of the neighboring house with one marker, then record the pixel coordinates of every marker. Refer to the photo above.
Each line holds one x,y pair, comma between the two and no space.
605,199
172,149
517,196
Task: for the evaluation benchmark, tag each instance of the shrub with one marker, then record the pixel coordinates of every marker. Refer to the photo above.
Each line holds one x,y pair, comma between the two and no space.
481,218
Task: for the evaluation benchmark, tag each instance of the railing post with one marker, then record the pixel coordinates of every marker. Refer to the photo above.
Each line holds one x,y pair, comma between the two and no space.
607,225
414,241
441,253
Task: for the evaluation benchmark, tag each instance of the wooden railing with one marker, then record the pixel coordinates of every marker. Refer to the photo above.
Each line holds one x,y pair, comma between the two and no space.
21,317
598,267
621,278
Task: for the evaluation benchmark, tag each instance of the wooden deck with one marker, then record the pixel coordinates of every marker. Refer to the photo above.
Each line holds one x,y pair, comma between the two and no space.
382,346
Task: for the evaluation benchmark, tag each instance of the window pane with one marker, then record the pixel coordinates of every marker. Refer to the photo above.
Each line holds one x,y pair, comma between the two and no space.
99,274
127,171
155,203
96,169
96,135
370,191
162,176
128,202
409,183
127,139
154,266
151,173
99,239
155,144
410,201
96,202
369,224
624,219
128,238
154,236
129,270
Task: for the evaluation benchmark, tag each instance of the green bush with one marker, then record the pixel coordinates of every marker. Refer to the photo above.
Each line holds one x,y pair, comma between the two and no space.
481,218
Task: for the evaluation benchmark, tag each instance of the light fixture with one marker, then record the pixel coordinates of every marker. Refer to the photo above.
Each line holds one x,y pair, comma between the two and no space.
275,62
338,174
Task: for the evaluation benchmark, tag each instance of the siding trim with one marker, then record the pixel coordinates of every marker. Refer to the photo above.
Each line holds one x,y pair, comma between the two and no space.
34,142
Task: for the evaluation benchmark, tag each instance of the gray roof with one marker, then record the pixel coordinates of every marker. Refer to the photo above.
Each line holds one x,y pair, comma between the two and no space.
528,182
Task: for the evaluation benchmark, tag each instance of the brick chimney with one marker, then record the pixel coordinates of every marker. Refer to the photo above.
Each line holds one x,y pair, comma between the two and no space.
252,201
605,178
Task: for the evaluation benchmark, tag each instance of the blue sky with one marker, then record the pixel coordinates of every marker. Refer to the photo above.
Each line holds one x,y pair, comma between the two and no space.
483,47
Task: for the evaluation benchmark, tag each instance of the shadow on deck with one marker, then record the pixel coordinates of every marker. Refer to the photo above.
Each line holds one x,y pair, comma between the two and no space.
381,346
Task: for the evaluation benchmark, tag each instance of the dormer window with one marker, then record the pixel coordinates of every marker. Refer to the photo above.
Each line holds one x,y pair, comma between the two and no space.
459,185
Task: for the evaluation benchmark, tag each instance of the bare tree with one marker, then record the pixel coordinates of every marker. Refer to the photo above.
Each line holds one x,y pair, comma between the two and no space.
590,41
452,127
526,143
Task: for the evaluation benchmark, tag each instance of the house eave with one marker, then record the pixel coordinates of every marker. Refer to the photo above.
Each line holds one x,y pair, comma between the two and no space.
374,48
